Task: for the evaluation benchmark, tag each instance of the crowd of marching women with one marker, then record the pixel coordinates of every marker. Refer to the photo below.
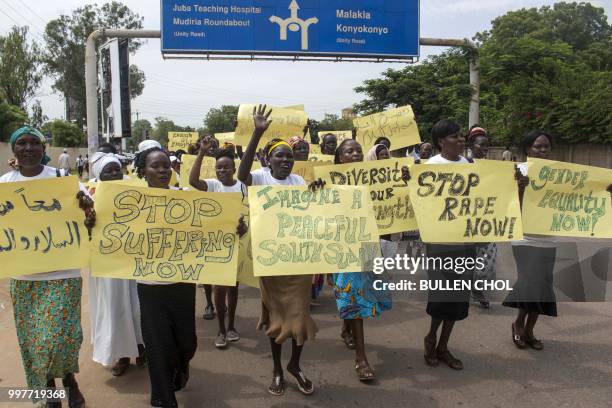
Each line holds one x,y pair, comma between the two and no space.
154,322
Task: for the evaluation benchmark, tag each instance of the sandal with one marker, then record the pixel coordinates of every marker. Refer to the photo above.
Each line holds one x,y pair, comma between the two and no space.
120,366
518,340
278,386
304,384
365,372
348,339
534,343
430,352
450,360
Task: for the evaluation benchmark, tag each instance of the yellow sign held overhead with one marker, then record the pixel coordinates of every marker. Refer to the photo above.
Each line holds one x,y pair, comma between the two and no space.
389,193
227,137
42,227
340,134
285,124
466,202
207,171
181,140
298,232
398,125
165,235
568,200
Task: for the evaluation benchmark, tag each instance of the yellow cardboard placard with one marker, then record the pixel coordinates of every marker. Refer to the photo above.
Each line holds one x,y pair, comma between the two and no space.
340,134
181,140
245,254
165,235
568,200
207,171
305,169
389,193
398,125
323,158
466,202
299,232
285,124
41,227
225,137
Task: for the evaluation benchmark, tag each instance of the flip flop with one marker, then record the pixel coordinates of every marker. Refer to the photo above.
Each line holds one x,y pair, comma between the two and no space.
534,343
431,359
302,382
278,386
517,339
365,372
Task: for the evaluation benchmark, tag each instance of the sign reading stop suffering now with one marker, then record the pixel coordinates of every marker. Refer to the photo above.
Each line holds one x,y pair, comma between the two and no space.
342,28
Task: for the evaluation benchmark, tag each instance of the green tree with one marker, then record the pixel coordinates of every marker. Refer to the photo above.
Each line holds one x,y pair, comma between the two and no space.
221,120
540,68
65,54
38,118
163,126
140,129
20,75
11,118
66,134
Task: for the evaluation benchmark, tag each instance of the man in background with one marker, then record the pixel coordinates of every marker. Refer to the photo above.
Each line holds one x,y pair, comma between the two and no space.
63,161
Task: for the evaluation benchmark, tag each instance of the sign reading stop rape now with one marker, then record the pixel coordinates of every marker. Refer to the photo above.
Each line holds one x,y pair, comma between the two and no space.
344,28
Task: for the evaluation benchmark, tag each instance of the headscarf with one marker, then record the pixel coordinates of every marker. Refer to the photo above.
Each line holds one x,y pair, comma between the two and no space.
296,140
475,132
99,160
148,144
373,152
29,130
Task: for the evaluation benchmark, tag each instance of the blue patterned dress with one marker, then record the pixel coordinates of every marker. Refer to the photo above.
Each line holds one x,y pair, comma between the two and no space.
356,297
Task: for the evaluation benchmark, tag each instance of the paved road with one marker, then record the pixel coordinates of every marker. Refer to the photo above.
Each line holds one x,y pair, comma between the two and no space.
574,370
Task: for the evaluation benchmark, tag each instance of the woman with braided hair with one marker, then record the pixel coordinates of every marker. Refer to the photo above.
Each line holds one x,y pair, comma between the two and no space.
285,299
167,309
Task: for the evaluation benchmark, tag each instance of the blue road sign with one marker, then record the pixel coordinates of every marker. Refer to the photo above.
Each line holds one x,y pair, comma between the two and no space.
322,28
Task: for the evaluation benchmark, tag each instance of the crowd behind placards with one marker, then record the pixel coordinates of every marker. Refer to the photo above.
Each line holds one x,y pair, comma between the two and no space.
283,216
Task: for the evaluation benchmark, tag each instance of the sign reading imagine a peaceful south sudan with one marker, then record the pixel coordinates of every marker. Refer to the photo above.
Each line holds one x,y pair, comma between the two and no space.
383,28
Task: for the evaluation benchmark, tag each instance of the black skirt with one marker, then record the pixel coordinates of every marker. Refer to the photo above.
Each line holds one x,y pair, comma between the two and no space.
533,290
168,330
444,304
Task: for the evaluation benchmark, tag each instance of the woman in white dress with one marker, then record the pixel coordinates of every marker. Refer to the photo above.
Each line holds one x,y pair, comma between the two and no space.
114,307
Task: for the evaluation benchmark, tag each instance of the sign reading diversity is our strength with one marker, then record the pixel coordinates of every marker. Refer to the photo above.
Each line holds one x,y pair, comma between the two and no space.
165,235
565,199
398,125
181,140
41,227
297,231
466,202
389,193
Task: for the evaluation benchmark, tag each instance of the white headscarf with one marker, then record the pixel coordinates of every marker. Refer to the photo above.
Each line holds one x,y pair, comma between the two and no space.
148,144
99,160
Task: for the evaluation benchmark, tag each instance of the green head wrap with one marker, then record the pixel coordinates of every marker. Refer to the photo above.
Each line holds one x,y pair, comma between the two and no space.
29,130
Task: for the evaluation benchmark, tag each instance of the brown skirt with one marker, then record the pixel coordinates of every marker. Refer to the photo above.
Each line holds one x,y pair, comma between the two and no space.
285,308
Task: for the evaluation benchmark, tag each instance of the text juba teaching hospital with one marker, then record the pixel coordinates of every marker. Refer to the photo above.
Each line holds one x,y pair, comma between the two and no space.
412,264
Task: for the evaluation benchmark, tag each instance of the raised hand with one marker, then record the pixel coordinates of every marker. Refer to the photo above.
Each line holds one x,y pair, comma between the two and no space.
521,181
205,144
260,118
405,174
316,185
242,227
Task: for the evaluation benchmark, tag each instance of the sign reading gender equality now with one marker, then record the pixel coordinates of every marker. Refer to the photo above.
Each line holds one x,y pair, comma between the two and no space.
344,28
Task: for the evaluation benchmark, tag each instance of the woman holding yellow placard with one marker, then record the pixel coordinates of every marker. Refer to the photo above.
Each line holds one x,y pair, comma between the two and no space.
533,292
353,300
47,306
446,307
285,299
167,309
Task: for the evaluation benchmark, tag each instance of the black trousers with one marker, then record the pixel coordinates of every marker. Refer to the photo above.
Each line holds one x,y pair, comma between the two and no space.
168,330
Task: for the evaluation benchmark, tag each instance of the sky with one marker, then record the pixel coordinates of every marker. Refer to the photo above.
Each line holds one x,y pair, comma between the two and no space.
184,90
